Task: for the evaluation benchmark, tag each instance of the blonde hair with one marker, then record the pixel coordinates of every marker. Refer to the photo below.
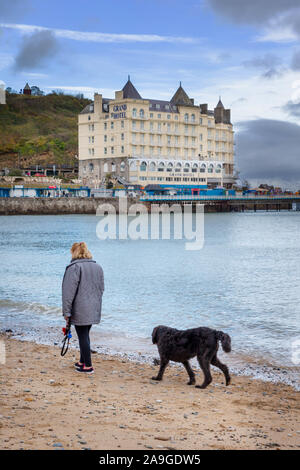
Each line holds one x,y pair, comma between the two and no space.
80,250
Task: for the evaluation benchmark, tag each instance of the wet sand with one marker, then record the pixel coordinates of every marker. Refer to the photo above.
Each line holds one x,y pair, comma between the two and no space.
46,404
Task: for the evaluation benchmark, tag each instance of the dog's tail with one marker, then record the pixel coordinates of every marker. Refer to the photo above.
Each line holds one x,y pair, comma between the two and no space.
225,341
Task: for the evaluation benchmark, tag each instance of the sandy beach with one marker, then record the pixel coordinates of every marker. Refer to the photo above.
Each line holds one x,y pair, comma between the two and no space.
45,404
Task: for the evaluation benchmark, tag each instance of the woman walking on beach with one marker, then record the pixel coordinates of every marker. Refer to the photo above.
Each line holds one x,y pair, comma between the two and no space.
82,289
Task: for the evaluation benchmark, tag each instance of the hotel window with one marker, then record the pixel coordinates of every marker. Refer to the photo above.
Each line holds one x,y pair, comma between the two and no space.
91,167
193,152
186,141
122,124
89,117
122,149
186,129
176,139
176,152
142,125
159,151
168,178
151,151
151,126
200,136
201,148
186,117
176,118
193,117
142,114
169,140
133,124
112,125
185,153
105,138
158,116
105,126
151,139
134,112
169,127
151,115
143,166
200,121
142,138
142,151
134,149
105,150
159,139
159,127
134,138
193,140
122,136
112,150
157,106
169,116
169,151
176,127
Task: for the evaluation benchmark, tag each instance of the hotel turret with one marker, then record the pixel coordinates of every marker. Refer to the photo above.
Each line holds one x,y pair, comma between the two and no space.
173,144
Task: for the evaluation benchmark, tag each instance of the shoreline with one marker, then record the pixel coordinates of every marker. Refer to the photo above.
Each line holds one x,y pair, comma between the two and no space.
239,365
47,405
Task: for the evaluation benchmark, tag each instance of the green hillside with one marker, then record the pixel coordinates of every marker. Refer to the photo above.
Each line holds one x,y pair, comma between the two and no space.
39,129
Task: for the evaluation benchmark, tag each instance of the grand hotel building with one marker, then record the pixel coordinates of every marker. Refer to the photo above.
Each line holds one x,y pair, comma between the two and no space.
147,141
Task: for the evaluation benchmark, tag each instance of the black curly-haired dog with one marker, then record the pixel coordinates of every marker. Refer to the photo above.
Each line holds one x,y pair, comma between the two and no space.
182,345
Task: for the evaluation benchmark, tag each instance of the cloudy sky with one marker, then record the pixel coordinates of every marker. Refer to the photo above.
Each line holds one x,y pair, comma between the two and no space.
247,52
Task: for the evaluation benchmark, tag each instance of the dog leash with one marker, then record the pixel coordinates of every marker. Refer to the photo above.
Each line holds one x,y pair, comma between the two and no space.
65,342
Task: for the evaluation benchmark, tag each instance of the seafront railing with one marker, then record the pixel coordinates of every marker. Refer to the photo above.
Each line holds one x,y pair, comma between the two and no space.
245,197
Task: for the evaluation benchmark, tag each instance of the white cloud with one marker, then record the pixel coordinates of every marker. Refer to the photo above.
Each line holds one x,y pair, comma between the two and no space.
99,37
278,35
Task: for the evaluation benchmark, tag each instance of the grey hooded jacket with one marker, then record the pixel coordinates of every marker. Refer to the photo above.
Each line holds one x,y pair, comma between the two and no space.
82,289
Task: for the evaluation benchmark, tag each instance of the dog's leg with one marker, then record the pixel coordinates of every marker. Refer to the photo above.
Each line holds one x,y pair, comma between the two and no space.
216,362
190,372
163,365
204,363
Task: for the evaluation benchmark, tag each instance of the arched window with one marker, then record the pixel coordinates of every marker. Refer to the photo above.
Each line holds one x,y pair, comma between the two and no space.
203,168
134,112
91,167
133,165
122,166
152,166
143,166
195,168
193,117
219,168
186,117
142,114
161,167
113,167
170,167
178,167
210,168
186,168
105,167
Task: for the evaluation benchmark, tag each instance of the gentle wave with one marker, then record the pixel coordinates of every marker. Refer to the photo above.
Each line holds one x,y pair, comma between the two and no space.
11,306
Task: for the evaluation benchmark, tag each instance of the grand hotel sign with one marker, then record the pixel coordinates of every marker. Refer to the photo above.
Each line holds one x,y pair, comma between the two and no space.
119,111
